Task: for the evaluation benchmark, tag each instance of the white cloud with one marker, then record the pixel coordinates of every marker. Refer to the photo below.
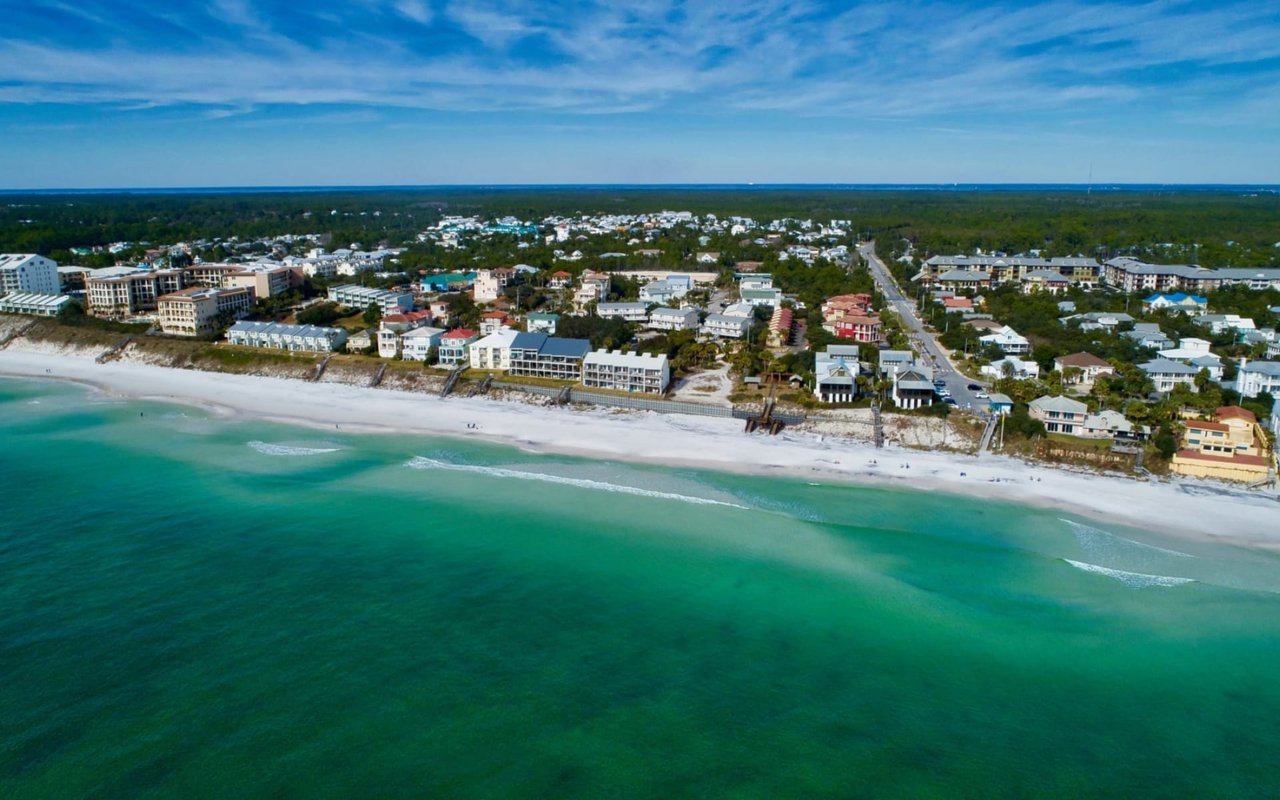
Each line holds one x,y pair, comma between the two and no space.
907,60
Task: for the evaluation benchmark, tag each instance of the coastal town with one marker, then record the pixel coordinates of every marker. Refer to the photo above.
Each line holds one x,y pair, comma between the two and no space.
1118,363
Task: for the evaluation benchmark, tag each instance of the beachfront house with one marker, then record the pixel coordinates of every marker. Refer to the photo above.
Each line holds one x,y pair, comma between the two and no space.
493,321
1228,447
891,361
836,374
453,347
641,373
1059,414
536,355
913,387
1108,424
417,344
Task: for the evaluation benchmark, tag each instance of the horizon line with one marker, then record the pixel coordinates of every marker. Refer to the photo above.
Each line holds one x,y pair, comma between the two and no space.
1112,186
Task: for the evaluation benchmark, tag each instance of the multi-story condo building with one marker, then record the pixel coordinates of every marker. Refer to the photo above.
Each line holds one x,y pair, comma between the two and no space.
626,372
122,291
196,311
674,319
492,351
537,355
28,273
353,296
630,312
295,338
1132,275
1004,269
724,326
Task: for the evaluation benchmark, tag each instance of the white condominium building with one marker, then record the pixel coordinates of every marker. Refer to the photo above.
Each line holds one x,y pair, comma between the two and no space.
28,273
353,296
644,373
674,319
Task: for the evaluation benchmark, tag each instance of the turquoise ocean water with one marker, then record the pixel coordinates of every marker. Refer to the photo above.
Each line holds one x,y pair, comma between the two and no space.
191,607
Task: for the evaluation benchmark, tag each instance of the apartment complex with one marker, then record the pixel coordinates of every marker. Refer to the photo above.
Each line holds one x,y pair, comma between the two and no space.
124,291
294,338
537,355
28,273
40,305
643,373
196,311
388,302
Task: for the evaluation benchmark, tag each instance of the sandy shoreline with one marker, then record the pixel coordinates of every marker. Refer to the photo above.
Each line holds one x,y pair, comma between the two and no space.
719,444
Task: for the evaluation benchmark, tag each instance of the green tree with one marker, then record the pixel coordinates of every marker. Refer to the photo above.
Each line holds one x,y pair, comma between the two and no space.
372,315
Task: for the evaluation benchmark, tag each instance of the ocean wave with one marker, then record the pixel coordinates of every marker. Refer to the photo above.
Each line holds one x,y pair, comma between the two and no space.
268,449
1136,580
421,462
1089,537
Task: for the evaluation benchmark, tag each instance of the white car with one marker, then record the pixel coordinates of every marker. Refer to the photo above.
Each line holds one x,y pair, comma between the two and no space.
982,395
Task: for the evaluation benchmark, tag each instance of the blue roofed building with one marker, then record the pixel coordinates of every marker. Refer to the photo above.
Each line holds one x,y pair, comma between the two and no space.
1192,304
537,355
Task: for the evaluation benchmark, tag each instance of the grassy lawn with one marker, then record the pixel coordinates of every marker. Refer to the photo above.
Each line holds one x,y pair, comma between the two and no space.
1081,444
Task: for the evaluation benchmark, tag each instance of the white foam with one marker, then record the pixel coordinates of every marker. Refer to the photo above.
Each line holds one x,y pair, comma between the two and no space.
1137,580
421,462
1087,535
268,449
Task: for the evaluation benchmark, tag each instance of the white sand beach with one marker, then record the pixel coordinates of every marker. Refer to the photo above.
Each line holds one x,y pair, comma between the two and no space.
1188,508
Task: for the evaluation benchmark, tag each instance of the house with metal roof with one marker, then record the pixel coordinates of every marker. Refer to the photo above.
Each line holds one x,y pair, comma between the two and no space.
537,355
836,374
913,387
1166,374
1255,377
278,336
1180,302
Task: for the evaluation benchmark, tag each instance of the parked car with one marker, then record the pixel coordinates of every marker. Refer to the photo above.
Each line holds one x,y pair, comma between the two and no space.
982,396
973,387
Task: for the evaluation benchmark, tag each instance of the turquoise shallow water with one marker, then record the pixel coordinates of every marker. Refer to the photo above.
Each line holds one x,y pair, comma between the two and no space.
192,607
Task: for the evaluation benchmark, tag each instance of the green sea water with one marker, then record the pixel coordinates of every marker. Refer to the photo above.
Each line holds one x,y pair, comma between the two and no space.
194,607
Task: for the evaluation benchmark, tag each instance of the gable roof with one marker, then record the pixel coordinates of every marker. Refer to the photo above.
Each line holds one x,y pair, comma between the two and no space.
1082,360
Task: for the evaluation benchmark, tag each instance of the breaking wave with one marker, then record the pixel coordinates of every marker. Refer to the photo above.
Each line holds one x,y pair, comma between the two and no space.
1090,538
1136,580
421,462
268,449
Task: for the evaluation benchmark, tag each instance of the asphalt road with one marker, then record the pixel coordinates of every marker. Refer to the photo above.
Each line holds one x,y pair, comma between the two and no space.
923,342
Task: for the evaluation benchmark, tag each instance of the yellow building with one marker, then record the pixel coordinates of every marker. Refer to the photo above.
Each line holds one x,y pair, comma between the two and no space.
1229,447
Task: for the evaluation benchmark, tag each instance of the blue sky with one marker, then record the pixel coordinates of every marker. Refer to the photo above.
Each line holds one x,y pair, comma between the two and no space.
100,93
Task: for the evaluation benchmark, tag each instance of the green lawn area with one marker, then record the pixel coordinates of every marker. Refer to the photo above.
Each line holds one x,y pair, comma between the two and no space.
1084,444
